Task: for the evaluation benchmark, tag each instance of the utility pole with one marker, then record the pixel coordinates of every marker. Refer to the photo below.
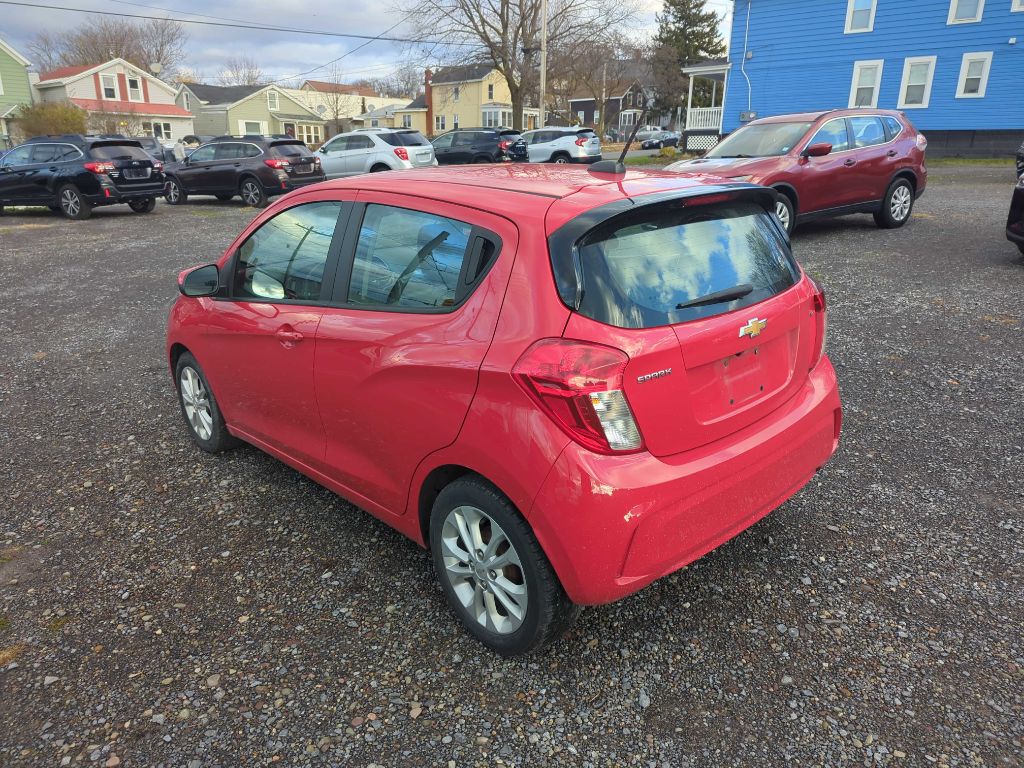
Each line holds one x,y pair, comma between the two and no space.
604,98
543,60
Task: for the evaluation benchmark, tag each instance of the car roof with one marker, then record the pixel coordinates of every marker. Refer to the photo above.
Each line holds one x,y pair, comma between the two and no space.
533,188
810,117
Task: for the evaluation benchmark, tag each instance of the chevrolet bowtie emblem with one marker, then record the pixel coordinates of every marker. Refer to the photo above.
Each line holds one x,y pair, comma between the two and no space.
753,328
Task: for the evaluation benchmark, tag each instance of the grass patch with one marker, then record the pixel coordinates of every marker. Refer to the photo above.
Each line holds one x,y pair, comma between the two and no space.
1006,162
5,623
657,160
10,653
58,624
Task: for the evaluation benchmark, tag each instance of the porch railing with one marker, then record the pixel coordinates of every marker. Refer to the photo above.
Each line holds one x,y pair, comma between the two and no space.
704,119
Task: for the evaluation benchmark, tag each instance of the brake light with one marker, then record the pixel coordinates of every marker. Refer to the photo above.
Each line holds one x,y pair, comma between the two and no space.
158,166
922,142
402,153
316,160
275,162
100,167
820,324
504,144
721,197
580,141
579,385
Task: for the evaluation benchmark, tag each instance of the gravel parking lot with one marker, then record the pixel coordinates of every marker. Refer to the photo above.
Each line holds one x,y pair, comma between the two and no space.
162,607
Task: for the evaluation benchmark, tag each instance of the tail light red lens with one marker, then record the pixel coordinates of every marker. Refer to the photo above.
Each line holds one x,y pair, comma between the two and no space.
820,324
100,167
275,162
158,166
580,141
922,142
504,145
402,153
579,386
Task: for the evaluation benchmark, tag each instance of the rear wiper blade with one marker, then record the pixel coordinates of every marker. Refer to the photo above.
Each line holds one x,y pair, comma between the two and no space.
719,297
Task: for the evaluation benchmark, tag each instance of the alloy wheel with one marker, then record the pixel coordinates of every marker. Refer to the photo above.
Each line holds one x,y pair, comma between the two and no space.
251,193
561,160
70,202
484,570
196,400
173,192
899,206
782,211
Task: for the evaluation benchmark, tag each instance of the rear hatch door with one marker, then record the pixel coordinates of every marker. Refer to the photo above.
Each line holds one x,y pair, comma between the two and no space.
301,162
133,166
591,143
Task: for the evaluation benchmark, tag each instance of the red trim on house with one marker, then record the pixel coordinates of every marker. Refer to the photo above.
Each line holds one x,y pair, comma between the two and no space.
145,89
60,74
122,86
97,85
131,107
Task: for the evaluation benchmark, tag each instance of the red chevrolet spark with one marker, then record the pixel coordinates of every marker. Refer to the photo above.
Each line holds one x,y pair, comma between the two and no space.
566,384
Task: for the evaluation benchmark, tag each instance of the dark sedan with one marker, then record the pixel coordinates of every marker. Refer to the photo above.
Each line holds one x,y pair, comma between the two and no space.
663,139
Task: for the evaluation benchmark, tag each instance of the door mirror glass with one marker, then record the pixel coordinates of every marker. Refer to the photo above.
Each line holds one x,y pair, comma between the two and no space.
201,281
818,150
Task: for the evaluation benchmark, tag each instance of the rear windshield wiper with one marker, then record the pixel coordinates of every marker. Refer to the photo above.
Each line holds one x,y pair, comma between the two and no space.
719,297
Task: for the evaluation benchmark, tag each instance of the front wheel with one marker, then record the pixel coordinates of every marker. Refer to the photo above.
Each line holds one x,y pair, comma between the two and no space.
174,194
493,571
199,407
72,204
144,205
897,205
253,193
784,210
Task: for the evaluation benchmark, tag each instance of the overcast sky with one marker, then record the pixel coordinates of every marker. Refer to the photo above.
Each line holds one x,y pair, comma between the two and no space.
282,55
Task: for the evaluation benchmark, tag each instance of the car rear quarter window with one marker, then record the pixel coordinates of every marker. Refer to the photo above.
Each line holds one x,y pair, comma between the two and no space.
867,131
118,152
895,126
639,267
285,258
408,259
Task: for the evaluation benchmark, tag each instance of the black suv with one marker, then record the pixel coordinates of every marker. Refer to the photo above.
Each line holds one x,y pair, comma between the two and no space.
255,167
474,145
74,174
1015,221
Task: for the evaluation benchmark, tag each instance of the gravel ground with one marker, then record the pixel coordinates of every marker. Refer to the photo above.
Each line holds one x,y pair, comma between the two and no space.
162,607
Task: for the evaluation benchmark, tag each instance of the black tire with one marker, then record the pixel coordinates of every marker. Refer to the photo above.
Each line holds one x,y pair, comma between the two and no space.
786,212
549,612
482,160
897,205
224,198
72,204
219,438
252,192
560,159
1020,246
174,193
379,168
143,205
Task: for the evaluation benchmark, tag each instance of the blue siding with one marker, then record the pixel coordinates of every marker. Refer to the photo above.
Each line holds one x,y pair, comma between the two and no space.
802,60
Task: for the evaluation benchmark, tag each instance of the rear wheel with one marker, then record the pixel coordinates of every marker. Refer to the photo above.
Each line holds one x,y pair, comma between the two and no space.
897,205
253,193
493,571
144,205
199,407
379,168
173,192
560,159
72,204
784,210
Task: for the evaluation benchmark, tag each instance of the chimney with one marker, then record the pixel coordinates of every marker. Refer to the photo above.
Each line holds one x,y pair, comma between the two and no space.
427,74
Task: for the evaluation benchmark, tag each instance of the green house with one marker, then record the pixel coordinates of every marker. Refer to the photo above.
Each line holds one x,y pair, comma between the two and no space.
15,90
249,109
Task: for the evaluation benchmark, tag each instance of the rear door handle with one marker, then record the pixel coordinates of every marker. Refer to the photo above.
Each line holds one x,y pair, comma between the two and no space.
850,163
288,337
891,153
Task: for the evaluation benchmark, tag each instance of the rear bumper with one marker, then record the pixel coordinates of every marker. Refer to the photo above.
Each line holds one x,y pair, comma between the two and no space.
613,524
292,183
109,194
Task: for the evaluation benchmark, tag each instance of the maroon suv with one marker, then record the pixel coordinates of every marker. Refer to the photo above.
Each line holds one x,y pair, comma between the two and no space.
827,163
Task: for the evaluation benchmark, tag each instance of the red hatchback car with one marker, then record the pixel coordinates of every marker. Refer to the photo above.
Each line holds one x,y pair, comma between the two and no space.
566,384
827,163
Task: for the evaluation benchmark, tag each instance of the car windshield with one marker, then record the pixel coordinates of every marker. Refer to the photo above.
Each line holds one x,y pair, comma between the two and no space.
405,139
762,140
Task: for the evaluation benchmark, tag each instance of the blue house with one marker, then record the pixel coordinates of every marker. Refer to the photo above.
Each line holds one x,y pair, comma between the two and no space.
955,67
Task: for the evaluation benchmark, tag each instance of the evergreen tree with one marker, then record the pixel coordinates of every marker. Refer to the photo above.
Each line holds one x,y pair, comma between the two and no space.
687,33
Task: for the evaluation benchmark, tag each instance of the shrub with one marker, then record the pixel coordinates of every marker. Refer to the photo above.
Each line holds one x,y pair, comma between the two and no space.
50,118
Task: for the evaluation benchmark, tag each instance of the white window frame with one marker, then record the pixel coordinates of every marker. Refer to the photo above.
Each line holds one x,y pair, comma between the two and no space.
1017,7
951,19
274,106
857,65
243,132
103,88
1,85
186,102
128,81
407,121
490,86
455,93
961,85
597,116
439,123
849,18
907,64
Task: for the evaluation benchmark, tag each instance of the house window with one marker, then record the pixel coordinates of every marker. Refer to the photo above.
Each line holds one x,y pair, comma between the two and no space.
916,88
860,16
273,102
490,86
455,93
308,134
374,123
252,128
134,89
1018,5
965,11
597,116
407,121
974,75
506,118
455,121
438,123
581,116
186,102
109,85
867,75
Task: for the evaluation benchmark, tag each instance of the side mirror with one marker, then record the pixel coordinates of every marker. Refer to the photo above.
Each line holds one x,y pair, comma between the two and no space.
201,281
817,150
322,150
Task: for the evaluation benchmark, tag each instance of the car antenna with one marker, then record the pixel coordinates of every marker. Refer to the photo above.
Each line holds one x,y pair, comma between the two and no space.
618,167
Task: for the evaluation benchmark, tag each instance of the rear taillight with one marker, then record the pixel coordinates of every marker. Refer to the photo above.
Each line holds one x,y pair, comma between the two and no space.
579,385
402,153
504,145
316,161
158,166
922,142
580,141
275,162
820,324
100,167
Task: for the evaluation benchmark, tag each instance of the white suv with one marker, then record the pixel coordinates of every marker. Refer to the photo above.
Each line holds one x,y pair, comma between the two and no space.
557,145
375,149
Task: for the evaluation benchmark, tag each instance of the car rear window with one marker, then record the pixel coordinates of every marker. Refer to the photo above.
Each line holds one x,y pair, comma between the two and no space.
639,267
586,134
289,149
118,152
405,139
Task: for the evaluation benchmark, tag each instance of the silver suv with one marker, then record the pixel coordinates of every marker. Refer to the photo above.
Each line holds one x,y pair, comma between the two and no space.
557,145
375,149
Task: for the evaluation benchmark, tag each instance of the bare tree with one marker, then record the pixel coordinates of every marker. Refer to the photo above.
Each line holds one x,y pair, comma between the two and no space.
498,31
241,70
144,43
404,81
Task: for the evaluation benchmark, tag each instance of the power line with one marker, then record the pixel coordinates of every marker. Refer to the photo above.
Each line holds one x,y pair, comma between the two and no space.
260,27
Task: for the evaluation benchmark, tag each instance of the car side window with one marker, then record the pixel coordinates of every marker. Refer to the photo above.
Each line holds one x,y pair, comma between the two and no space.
18,156
466,139
443,142
339,144
203,154
250,150
228,151
867,131
833,132
45,153
407,258
285,258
